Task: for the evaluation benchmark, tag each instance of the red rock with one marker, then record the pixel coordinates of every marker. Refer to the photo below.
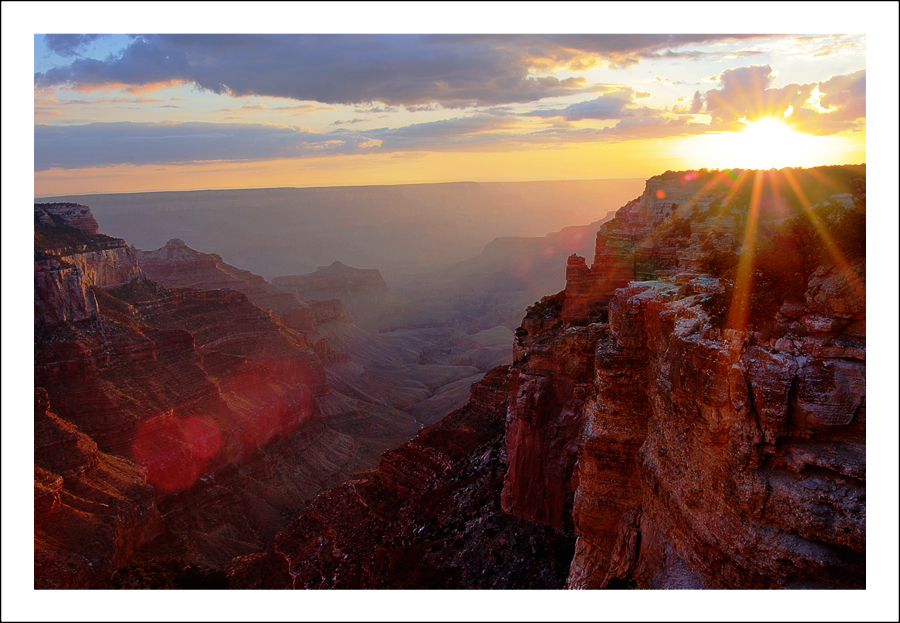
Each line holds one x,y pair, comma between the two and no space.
706,458
427,517
71,214
194,407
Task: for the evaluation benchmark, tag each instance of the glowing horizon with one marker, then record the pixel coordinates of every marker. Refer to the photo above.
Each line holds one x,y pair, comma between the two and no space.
187,112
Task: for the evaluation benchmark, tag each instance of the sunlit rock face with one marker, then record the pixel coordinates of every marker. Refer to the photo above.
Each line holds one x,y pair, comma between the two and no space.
694,401
70,257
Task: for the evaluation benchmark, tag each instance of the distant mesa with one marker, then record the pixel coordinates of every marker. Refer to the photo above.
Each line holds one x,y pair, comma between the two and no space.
363,291
336,267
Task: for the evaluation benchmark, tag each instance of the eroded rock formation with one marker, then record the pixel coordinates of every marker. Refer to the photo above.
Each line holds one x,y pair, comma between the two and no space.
690,410
706,426
194,407
178,266
427,517
692,406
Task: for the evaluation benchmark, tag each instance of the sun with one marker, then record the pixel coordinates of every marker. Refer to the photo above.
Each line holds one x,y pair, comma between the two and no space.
769,143
762,144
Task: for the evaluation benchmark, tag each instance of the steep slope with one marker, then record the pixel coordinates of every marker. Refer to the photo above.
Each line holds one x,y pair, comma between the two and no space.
83,495
706,428
425,372
692,406
200,397
427,517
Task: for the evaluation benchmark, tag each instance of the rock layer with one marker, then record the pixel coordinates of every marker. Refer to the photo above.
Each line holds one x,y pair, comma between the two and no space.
194,407
427,517
707,437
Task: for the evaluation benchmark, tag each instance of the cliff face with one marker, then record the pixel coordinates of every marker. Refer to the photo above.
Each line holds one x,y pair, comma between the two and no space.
694,401
82,494
427,517
196,422
70,257
60,293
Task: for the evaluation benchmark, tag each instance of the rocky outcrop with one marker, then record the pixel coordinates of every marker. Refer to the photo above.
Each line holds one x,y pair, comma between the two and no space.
110,266
192,406
73,215
427,517
706,427
71,257
60,293
178,266
83,495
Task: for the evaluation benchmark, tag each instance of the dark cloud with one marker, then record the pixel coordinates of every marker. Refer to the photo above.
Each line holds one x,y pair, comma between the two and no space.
69,45
449,134
410,70
108,144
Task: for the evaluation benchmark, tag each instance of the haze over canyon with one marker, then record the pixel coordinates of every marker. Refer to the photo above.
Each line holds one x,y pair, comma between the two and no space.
687,411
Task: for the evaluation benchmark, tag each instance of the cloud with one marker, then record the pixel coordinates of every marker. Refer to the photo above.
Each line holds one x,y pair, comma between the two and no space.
69,45
746,93
454,71
653,127
451,134
616,104
108,144
696,103
379,109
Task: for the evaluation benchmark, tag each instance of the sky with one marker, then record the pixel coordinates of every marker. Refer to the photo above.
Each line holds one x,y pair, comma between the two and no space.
116,113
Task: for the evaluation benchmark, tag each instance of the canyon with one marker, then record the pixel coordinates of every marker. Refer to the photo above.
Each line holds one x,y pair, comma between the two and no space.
194,422
688,412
